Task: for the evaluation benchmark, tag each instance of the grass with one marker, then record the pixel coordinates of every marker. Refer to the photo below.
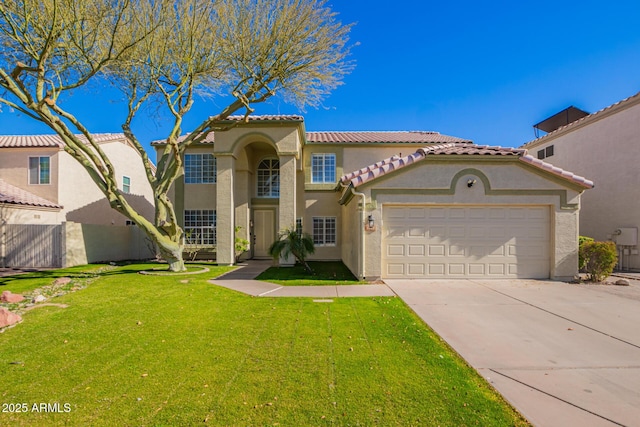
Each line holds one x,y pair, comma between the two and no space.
324,274
151,350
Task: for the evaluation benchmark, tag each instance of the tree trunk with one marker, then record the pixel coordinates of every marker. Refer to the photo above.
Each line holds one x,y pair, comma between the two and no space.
172,253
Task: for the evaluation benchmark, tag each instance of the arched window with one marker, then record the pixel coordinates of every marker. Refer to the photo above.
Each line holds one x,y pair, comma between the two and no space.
269,178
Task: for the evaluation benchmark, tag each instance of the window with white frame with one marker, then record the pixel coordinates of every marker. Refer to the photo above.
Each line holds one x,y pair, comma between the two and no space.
200,227
323,168
39,170
268,177
199,169
126,184
324,231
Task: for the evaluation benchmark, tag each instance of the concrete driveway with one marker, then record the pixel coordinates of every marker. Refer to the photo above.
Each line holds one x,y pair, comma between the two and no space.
562,354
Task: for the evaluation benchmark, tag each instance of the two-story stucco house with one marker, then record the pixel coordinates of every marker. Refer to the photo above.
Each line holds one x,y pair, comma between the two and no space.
53,215
603,146
42,184
388,204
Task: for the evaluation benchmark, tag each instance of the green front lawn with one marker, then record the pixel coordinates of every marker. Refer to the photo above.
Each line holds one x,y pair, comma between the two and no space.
152,350
324,274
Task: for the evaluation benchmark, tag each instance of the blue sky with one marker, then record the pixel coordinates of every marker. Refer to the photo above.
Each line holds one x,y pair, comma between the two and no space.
486,71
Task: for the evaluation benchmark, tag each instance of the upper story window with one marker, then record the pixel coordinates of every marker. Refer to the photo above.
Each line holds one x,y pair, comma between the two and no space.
323,168
39,170
545,152
199,169
126,184
269,178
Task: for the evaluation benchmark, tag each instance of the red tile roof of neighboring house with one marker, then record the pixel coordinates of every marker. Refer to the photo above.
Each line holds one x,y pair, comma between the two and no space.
394,163
373,137
17,196
52,141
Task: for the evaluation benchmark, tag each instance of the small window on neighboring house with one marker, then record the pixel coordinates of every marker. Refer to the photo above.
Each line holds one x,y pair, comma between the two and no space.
129,222
126,184
323,168
200,169
548,152
299,225
545,152
39,170
324,231
200,227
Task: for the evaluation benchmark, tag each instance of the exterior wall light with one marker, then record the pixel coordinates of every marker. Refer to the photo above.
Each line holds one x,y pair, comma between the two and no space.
370,225
470,182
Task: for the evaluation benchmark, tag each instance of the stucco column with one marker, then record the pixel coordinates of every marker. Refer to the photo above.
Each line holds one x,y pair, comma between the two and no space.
287,216
225,210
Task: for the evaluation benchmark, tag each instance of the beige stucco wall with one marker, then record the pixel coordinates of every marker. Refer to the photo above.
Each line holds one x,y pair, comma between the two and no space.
87,243
15,214
83,202
351,235
357,157
14,169
323,204
605,151
497,183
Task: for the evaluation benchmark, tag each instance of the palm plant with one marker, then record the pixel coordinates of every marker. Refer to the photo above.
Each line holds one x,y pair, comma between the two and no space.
291,242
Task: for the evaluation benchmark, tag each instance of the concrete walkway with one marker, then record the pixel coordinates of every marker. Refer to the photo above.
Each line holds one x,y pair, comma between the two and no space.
562,354
241,280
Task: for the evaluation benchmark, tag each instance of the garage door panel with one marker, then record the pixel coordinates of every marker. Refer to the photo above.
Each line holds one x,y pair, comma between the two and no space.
416,250
416,270
395,250
436,269
496,269
437,231
469,241
417,231
436,250
457,231
437,213
395,269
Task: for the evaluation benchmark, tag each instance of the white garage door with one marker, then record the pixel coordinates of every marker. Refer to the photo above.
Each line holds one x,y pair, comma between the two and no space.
465,241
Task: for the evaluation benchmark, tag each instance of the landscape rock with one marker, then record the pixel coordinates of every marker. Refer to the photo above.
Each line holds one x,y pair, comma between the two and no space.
62,281
622,282
40,298
8,318
7,296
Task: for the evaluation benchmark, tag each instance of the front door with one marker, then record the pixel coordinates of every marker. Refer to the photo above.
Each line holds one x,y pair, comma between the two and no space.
264,223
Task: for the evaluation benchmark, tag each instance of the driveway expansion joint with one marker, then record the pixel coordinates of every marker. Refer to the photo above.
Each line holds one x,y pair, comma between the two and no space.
556,397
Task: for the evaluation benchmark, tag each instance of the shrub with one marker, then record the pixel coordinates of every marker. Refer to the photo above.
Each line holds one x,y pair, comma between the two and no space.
599,259
582,263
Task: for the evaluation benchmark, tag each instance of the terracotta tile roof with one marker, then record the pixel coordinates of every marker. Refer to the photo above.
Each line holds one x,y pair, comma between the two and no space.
49,141
17,196
373,137
557,171
267,118
392,164
611,109
362,137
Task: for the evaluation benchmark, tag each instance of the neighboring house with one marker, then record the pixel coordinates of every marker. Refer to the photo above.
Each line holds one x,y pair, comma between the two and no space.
53,215
48,186
388,204
604,146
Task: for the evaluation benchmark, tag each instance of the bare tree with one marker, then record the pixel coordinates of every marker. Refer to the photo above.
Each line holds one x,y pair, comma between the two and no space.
167,52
